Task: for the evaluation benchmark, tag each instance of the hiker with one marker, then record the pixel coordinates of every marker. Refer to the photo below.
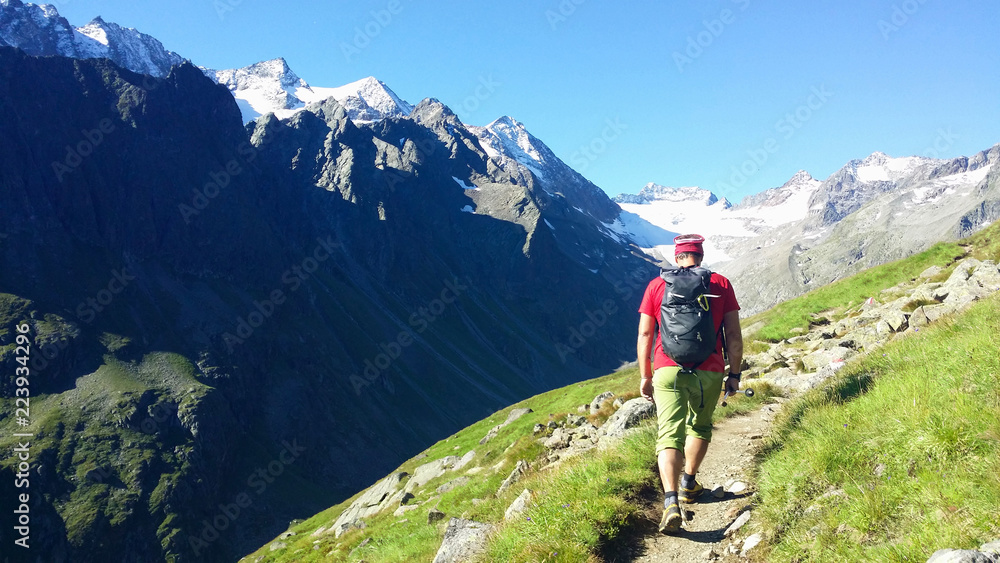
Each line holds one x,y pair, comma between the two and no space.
685,398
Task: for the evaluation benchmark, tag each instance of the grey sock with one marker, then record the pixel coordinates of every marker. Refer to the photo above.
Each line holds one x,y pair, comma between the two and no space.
687,481
671,499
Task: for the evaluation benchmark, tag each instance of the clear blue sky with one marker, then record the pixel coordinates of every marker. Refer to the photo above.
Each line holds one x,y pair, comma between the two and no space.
696,88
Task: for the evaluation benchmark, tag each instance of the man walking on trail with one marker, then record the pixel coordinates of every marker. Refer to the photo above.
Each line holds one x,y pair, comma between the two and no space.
685,396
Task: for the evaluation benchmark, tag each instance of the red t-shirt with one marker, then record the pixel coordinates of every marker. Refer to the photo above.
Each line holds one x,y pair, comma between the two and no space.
721,305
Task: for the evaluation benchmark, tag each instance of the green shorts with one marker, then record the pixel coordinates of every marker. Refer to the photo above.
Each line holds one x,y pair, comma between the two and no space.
684,405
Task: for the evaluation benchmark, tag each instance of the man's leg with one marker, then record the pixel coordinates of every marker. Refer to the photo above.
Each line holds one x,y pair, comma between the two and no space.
699,432
671,409
694,452
670,462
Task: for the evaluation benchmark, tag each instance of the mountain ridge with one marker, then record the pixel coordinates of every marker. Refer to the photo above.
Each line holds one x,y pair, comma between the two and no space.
300,265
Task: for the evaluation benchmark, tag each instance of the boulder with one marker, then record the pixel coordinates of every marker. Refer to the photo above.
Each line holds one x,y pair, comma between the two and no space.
373,500
965,294
431,470
883,328
519,505
630,415
511,417
434,515
464,460
935,312
962,556
404,509
516,414
750,543
822,358
740,521
598,400
930,272
453,484
987,276
519,470
919,318
490,435
464,540
963,271
896,320
992,547
560,439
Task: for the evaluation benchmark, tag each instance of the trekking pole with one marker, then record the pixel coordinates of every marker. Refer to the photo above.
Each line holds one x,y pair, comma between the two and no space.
748,392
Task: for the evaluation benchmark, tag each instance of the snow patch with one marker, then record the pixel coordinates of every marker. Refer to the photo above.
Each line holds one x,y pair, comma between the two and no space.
468,209
463,184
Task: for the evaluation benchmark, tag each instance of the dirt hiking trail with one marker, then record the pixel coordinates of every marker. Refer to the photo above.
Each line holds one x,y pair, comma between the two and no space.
702,537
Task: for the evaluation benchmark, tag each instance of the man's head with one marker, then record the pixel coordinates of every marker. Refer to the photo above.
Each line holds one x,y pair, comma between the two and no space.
688,250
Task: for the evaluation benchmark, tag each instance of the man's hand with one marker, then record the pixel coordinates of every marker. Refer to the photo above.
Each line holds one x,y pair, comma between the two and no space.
732,385
646,389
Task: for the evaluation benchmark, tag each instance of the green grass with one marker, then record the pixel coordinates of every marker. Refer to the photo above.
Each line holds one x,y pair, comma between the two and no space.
778,322
925,413
584,503
577,509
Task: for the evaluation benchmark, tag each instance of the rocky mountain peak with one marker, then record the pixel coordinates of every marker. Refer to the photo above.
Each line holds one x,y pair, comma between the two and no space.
800,178
516,142
656,192
40,30
369,99
876,158
257,74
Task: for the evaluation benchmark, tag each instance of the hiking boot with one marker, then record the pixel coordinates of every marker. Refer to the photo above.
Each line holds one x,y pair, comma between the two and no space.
690,495
671,521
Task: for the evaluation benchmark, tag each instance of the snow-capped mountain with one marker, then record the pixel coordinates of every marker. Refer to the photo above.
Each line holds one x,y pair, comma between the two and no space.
40,30
655,192
869,212
681,210
272,87
507,138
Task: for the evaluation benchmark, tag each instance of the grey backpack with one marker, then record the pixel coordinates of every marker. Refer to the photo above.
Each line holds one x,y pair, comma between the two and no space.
687,332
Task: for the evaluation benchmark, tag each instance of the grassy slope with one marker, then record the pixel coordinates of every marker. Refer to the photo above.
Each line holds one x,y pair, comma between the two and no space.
579,507
911,437
576,508
777,323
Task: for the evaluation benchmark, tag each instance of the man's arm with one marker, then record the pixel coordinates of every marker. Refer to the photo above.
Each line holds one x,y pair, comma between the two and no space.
647,329
734,347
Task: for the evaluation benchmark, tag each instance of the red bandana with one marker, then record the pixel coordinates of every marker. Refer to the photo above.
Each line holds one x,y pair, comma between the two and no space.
689,243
